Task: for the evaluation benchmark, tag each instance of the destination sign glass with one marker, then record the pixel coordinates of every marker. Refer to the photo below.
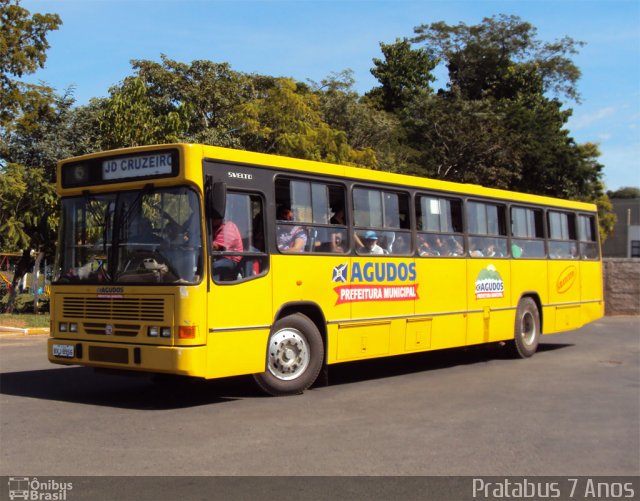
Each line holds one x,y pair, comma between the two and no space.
156,164
145,165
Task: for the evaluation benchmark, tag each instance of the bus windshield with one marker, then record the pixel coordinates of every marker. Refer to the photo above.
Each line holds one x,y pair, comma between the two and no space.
144,236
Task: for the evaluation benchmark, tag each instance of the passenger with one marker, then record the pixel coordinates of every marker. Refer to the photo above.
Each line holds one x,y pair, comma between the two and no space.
226,238
516,250
339,219
490,250
475,251
426,249
291,238
335,243
454,247
371,246
387,240
401,245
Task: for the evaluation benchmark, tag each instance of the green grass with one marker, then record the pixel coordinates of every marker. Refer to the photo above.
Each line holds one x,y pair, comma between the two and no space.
24,320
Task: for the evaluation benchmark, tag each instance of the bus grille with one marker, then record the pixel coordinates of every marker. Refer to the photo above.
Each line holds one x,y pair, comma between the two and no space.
134,309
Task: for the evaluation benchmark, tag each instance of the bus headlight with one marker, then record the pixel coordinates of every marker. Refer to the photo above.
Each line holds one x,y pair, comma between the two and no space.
153,331
165,332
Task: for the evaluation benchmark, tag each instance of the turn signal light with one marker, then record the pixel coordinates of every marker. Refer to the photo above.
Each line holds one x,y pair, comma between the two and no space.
187,332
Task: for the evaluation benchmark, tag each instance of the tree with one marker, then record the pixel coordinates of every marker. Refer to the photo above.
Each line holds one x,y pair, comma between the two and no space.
462,141
479,57
28,211
286,120
625,192
13,186
366,127
205,95
27,194
23,47
128,118
404,75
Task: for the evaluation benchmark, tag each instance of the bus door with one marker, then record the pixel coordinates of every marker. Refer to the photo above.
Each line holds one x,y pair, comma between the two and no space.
240,309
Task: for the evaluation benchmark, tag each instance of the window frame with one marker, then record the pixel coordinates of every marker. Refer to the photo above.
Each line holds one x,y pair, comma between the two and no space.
432,243
487,244
321,237
562,248
528,246
387,233
260,257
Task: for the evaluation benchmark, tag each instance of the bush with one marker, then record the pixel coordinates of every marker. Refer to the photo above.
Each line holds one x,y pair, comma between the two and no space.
24,303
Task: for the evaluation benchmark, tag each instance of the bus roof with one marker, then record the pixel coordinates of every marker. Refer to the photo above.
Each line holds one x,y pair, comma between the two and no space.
192,152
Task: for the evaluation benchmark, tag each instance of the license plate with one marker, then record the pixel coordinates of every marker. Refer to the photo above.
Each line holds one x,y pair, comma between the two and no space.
63,350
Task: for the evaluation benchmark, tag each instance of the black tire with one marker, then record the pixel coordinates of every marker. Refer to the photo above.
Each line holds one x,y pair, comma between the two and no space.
527,328
295,354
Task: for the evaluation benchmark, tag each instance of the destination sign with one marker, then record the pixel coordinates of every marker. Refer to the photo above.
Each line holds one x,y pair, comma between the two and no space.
155,164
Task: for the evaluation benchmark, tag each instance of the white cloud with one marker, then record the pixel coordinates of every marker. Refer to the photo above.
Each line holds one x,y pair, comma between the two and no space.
582,121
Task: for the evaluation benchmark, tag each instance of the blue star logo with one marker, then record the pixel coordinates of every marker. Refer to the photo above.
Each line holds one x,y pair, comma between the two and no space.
340,273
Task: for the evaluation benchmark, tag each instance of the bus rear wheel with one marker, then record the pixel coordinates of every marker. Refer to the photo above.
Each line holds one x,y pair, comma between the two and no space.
295,355
527,328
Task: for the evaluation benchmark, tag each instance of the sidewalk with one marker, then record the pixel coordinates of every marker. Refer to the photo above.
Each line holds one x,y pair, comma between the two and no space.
28,331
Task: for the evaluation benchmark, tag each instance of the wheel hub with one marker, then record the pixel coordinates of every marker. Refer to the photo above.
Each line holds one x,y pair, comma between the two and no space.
288,354
528,331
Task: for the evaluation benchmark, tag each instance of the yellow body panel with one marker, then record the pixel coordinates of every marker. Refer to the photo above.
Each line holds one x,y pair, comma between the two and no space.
232,353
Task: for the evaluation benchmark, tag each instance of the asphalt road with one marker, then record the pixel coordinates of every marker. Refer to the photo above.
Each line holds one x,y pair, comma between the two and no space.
572,409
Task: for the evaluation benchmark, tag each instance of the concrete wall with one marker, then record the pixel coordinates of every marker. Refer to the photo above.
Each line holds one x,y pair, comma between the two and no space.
621,286
627,211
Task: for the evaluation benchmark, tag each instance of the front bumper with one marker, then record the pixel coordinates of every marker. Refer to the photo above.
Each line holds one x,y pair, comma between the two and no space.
182,360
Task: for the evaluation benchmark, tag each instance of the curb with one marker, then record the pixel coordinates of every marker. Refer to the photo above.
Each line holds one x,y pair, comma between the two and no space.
29,331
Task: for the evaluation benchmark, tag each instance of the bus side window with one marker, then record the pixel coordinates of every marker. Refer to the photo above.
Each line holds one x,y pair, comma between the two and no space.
562,235
382,222
310,217
587,233
527,233
487,229
439,225
238,239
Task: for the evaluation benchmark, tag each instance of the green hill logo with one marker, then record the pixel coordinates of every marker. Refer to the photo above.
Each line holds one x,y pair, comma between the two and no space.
489,283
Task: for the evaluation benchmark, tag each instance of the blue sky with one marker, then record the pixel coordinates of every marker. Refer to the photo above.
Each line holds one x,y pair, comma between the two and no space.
310,39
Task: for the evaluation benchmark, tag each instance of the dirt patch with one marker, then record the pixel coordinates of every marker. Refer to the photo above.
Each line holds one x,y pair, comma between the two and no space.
13,322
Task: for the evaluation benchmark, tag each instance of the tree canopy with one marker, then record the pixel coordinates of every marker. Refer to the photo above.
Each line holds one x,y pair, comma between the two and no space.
23,49
499,119
625,192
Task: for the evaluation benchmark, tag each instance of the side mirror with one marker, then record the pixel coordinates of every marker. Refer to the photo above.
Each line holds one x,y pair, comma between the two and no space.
215,198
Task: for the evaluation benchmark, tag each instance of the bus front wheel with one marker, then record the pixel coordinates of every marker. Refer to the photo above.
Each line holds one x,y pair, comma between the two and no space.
527,328
295,354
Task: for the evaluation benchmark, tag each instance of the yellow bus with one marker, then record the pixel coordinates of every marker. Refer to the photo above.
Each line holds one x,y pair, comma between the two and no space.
210,262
